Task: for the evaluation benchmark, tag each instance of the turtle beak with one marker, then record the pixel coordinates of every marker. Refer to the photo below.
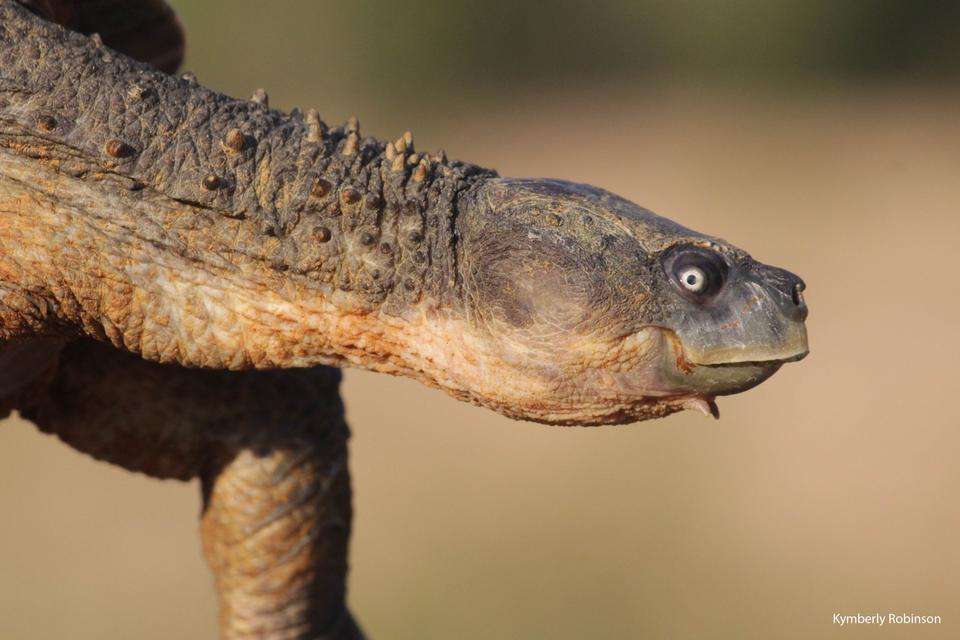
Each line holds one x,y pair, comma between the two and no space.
739,338
760,317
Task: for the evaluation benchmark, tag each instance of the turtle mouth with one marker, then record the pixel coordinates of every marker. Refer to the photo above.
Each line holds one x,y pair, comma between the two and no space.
740,355
718,377
688,383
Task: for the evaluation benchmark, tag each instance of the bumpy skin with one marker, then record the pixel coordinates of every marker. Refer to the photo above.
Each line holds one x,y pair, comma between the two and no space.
290,208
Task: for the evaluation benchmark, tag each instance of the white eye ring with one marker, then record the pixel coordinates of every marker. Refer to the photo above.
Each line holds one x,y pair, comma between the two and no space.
693,279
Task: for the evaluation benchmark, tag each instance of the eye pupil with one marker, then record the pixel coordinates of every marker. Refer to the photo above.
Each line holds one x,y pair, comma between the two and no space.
694,279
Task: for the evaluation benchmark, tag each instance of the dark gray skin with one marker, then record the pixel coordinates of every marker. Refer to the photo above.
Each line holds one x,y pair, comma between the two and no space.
156,236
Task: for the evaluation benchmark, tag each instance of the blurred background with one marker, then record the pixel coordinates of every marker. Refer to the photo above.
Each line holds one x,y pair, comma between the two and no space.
820,135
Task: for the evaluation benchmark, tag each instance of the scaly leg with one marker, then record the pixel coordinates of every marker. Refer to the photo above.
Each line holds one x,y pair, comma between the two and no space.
275,529
270,449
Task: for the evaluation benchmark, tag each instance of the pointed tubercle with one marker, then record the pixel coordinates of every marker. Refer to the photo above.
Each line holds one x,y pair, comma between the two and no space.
706,406
260,97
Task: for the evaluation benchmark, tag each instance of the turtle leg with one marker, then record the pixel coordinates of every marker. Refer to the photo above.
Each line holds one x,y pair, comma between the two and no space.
270,449
276,523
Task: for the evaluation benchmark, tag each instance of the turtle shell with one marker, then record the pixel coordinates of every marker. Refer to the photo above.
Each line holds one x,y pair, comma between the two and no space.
147,30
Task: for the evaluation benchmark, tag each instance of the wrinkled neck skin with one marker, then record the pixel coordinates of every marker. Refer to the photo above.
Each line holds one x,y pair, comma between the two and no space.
193,228
178,290
179,283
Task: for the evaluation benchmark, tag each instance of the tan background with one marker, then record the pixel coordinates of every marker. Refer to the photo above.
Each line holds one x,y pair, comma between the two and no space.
832,487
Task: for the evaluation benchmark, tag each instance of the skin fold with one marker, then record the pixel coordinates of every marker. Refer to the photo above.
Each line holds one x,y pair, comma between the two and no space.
179,271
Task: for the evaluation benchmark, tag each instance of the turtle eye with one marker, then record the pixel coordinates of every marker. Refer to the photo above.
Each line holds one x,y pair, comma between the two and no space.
693,279
698,272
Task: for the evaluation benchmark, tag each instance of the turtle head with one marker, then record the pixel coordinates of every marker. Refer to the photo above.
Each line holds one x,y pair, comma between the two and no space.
592,310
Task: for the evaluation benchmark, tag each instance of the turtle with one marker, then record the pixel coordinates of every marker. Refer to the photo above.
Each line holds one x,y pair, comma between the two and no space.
183,274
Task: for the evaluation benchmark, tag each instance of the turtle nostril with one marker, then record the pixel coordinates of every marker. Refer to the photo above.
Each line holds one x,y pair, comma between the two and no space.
798,294
800,306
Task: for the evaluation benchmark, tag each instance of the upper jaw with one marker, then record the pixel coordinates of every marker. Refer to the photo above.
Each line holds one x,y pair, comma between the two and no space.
792,350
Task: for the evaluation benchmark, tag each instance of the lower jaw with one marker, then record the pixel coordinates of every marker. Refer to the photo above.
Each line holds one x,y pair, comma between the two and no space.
681,376
697,386
725,380
664,390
